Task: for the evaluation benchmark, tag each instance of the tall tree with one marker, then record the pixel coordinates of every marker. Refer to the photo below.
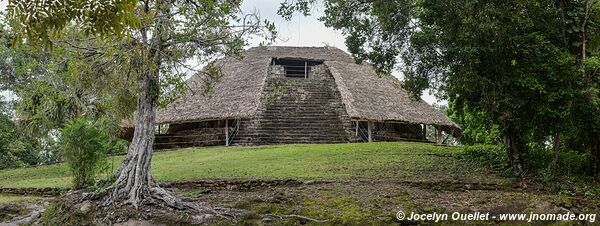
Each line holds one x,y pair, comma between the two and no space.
524,64
150,42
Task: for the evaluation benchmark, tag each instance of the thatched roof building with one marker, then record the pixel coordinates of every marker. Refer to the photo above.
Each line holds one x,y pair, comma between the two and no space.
297,94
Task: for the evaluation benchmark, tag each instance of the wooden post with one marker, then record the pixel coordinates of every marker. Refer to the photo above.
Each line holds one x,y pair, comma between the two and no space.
356,135
425,131
438,135
305,69
370,125
226,132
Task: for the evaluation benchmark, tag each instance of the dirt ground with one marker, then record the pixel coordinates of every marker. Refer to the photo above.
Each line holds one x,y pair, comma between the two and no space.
377,202
339,203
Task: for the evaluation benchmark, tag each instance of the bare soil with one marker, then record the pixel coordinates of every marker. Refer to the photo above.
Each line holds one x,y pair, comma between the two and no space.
290,202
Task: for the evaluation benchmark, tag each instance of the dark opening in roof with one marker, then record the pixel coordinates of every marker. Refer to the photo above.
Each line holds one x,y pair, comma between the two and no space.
296,67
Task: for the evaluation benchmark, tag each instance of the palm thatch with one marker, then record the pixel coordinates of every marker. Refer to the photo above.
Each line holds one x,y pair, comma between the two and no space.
236,94
240,91
380,98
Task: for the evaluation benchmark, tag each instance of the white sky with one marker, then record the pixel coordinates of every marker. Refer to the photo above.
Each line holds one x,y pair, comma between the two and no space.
305,31
300,31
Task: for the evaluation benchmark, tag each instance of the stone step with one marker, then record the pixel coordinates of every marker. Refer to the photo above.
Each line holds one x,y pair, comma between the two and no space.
295,102
298,132
286,103
301,113
299,99
319,106
297,120
313,83
293,111
324,106
307,111
292,136
308,141
251,143
288,140
298,135
301,80
321,89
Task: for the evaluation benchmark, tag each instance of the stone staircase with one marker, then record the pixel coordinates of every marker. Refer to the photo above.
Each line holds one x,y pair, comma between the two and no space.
298,110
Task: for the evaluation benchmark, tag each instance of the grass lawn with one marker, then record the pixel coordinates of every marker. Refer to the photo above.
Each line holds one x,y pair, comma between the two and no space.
353,161
16,198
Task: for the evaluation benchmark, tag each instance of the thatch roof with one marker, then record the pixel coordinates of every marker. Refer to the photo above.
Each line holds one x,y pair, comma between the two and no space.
239,92
235,95
367,95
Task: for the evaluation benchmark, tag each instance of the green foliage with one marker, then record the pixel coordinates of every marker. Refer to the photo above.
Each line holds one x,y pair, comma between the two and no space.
7,157
16,148
571,164
37,19
85,145
487,156
476,127
58,84
523,70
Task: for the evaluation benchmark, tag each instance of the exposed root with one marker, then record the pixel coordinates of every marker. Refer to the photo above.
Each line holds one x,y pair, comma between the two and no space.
153,195
281,216
160,198
34,213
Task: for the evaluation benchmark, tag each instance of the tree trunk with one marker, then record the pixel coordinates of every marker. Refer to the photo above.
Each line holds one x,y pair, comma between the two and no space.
583,30
509,151
134,183
512,151
596,150
555,149
133,177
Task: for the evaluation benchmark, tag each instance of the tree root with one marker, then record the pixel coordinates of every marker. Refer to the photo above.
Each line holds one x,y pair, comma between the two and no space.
154,195
160,198
160,201
281,216
35,211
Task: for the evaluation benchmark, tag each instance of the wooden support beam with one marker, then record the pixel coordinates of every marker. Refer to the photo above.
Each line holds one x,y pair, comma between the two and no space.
370,128
226,132
305,69
356,135
438,135
425,131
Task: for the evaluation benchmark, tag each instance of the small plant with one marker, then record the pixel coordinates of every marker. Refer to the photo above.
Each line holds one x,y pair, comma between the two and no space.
85,144
275,91
486,156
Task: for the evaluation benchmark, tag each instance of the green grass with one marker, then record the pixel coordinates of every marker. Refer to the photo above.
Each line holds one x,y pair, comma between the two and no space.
381,160
16,198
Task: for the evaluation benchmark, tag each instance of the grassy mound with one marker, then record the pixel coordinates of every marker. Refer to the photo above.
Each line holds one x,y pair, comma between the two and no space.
382,160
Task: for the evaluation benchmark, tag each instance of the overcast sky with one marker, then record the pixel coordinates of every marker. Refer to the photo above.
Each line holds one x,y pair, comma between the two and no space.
304,31
300,31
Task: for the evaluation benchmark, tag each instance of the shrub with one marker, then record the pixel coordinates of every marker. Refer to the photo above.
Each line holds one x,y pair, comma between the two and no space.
486,156
85,144
538,159
20,149
570,163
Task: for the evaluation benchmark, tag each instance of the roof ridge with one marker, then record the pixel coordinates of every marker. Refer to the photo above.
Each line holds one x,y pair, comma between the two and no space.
298,47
